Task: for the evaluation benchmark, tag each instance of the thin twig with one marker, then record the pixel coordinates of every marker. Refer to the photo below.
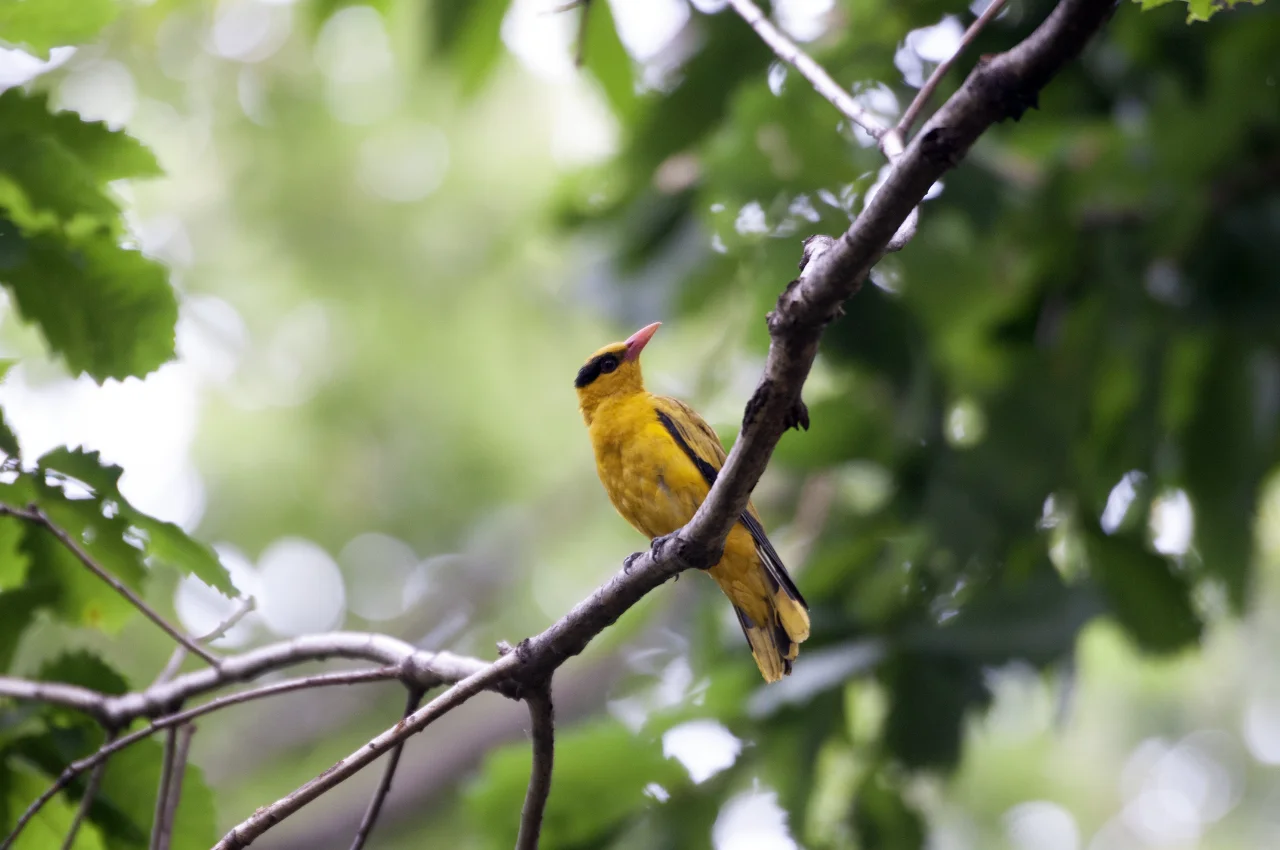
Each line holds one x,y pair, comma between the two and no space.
184,732
789,52
162,792
388,774
33,514
90,793
74,769
180,652
580,54
926,91
543,720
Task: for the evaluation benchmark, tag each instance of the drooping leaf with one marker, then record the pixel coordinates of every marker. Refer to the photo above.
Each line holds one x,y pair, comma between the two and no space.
164,541
43,24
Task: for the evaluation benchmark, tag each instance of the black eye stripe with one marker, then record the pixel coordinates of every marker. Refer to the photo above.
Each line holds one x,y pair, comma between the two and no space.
603,364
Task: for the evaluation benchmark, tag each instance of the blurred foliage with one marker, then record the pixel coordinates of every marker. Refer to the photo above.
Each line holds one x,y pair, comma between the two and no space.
1072,366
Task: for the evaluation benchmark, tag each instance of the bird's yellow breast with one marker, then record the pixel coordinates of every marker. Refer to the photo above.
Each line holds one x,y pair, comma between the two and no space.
649,479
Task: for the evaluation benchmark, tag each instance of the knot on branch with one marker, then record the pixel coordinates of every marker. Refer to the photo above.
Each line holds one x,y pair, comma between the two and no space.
796,416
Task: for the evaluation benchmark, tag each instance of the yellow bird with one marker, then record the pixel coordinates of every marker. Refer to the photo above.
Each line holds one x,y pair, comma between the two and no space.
657,459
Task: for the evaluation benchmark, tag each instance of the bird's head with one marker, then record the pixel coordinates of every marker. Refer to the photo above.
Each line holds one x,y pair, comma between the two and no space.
613,370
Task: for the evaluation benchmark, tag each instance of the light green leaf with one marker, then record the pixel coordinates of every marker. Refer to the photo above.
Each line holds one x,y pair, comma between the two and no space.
19,785
164,541
13,561
470,36
608,61
130,784
42,24
1200,10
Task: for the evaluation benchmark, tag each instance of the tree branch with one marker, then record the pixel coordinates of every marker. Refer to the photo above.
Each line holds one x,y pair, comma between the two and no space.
926,91
98,758
34,515
388,774
180,652
542,717
185,732
788,51
86,800
159,831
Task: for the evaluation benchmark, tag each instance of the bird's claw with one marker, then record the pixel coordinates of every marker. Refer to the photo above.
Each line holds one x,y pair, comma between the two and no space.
629,561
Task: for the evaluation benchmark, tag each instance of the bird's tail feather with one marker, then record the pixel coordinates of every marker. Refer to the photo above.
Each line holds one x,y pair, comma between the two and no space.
774,645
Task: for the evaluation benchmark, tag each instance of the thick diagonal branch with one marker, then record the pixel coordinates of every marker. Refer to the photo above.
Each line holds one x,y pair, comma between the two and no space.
543,720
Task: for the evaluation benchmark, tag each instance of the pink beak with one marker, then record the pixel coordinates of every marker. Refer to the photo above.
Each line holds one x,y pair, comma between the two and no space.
638,340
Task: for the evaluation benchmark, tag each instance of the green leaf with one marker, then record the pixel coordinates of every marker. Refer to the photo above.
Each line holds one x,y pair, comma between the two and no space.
18,609
1199,10
1150,600
43,24
929,698
470,37
129,786
1224,465
54,167
13,561
85,669
107,311
608,61
884,820
19,785
590,794
164,541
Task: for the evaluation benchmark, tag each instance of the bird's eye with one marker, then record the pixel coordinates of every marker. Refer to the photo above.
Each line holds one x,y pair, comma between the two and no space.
608,364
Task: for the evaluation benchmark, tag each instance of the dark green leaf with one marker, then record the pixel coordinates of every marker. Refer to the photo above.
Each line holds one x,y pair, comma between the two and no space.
883,820
929,698
1151,601
107,311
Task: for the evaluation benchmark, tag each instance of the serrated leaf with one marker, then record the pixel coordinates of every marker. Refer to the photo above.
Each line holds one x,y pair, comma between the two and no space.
109,312
54,167
608,61
1152,603
85,669
1199,10
19,785
164,541
44,24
